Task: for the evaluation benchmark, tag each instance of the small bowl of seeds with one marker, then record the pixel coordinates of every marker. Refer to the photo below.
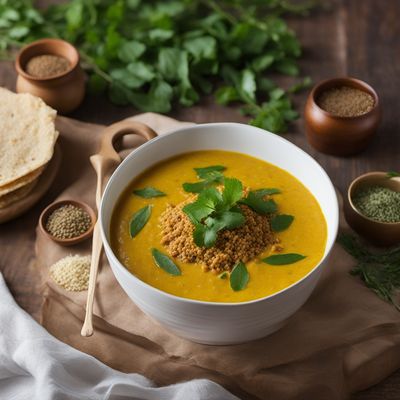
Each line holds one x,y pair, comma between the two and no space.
341,116
372,207
50,69
67,222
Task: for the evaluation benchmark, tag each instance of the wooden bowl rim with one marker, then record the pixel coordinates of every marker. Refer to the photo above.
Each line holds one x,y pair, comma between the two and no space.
57,204
366,177
39,43
344,81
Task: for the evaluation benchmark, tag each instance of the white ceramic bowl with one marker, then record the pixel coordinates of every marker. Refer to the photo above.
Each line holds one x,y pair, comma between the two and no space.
210,322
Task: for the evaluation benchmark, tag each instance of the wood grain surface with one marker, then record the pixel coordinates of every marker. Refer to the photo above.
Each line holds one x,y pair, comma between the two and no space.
360,38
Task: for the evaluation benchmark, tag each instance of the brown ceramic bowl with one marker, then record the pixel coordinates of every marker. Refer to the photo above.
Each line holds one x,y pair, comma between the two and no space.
340,136
64,91
378,233
53,206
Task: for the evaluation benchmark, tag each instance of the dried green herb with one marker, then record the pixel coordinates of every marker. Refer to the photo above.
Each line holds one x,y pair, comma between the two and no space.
239,277
379,203
139,220
379,271
165,263
149,192
283,259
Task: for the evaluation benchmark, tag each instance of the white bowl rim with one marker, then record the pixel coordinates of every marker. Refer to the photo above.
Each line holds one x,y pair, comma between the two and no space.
165,136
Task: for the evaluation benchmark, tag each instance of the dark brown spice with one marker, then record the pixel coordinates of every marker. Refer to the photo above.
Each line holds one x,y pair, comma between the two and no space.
47,65
346,101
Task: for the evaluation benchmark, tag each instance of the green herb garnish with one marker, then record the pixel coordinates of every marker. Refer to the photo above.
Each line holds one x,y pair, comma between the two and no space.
149,192
283,259
154,54
165,263
281,222
266,192
204,173
213,211
379,271
256,201
392,174
139,220
211,175
239,277
223,275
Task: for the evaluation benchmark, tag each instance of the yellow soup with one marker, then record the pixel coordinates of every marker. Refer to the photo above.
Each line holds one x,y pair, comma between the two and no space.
306,235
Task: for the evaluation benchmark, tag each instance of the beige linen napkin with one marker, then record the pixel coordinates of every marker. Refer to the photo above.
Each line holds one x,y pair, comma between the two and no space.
342,340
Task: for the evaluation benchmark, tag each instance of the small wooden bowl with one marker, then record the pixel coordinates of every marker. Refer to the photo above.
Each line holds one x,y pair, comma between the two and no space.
378,233
64,91
340,136
53,206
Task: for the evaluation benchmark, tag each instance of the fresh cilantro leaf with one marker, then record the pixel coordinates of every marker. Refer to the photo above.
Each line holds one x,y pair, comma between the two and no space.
259,205
266,191
210,175
148,192
204,205
164,262
283,259
239,277
131,51
281,222
392,174
232,193
226,94
203,173
139,220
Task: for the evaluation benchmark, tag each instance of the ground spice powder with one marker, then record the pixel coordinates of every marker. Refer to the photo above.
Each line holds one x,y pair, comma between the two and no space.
346,101
378,203
47,65
72,273
68,222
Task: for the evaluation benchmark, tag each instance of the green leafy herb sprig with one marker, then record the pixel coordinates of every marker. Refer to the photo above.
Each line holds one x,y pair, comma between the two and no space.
379,271
213,211
154,54
209,176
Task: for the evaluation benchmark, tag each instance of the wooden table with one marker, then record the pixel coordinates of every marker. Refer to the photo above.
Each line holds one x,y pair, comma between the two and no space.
356,38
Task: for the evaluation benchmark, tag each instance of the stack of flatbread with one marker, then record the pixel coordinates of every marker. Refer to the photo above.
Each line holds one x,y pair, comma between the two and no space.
27,140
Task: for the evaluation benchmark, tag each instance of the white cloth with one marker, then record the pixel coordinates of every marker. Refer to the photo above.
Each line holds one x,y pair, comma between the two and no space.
35,365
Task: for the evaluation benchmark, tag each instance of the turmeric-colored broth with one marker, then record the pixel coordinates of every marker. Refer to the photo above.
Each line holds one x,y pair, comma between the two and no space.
307,234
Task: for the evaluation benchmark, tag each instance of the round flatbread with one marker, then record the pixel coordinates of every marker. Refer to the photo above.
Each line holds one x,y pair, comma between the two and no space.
21,182
27,135
18,194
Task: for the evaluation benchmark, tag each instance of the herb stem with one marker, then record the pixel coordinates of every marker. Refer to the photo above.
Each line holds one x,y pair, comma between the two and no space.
94,67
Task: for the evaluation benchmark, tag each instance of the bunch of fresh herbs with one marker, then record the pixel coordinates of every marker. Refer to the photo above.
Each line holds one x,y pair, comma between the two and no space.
152,54
379,271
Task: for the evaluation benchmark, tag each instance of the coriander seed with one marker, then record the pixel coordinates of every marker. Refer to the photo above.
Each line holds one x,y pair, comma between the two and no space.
67,222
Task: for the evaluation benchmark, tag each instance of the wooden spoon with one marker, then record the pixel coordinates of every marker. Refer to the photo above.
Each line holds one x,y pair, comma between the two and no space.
104,164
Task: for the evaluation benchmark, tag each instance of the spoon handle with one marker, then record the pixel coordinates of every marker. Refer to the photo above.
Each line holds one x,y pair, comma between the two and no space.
104,163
